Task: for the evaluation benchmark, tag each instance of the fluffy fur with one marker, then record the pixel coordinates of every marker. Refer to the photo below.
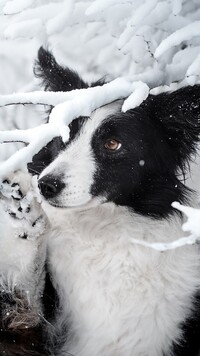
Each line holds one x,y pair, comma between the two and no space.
116,298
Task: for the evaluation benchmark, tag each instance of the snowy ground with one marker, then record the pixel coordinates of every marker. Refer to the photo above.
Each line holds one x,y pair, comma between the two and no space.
153,43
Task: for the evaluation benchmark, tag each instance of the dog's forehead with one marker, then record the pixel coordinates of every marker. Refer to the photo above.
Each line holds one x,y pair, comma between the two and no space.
100,115
83,130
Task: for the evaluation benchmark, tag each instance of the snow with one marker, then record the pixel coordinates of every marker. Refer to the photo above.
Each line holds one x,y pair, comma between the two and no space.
16,6
58,23
142,11
140,93
100,5
24,28
193,69
160,246
193,223
176,7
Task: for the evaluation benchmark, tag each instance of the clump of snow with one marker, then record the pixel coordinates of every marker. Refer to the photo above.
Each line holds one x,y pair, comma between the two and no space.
140,93
141,163
193,219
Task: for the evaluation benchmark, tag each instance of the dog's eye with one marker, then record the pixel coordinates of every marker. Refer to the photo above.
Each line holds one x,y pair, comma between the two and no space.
112,145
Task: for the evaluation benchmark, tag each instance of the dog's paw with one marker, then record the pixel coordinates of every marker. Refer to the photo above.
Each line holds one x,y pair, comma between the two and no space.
19,200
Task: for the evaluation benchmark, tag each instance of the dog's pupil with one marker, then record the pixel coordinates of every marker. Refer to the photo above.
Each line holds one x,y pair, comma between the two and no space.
112,144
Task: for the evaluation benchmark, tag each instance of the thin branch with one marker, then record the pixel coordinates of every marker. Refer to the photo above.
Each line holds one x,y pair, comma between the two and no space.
37,98
11,141
27,103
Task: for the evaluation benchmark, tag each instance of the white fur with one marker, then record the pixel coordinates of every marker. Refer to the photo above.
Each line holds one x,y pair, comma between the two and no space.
121,299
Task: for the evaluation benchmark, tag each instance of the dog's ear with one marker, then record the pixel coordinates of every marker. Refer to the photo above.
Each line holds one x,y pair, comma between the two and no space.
177,116
55,77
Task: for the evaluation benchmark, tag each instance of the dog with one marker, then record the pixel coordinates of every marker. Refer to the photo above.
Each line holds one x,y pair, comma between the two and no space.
114,180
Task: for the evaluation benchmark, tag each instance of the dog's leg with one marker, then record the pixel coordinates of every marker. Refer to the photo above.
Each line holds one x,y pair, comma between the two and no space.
23,227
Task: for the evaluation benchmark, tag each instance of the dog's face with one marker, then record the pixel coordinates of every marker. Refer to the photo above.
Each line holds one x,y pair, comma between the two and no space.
130,159
111,156
74,173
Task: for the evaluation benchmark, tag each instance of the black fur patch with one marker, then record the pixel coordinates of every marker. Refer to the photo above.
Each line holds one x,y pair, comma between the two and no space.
55,77
45,156
158,139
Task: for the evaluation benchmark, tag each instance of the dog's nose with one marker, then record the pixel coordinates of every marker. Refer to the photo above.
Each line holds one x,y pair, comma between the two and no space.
50,186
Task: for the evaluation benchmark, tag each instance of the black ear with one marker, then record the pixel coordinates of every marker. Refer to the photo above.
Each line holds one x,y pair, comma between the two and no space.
54,76
177,115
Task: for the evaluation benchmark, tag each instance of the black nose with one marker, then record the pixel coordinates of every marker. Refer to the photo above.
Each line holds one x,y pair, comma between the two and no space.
50,186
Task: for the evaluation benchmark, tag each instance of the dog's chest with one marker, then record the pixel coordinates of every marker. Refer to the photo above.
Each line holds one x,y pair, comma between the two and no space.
123,299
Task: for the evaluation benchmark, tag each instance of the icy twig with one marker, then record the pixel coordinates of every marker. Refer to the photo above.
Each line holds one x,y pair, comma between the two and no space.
166,246
192,225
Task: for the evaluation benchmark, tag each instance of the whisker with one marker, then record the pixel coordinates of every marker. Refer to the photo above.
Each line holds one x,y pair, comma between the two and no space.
46,321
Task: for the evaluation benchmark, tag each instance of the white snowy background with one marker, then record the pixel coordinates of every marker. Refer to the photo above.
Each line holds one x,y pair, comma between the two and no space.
153,44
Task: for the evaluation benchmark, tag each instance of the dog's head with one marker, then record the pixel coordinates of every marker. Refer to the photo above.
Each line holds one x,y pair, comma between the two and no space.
132,159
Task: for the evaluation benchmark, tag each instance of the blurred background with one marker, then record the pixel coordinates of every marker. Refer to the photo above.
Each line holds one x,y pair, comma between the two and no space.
155,41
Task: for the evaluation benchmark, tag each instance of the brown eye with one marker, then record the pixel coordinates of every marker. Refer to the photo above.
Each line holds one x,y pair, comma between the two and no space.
112,145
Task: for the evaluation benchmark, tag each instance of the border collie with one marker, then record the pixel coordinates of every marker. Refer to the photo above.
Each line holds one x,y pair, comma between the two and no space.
113,181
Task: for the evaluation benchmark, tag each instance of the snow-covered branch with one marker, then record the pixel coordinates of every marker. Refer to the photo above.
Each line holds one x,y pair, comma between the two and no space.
183,34
111,36
68,106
